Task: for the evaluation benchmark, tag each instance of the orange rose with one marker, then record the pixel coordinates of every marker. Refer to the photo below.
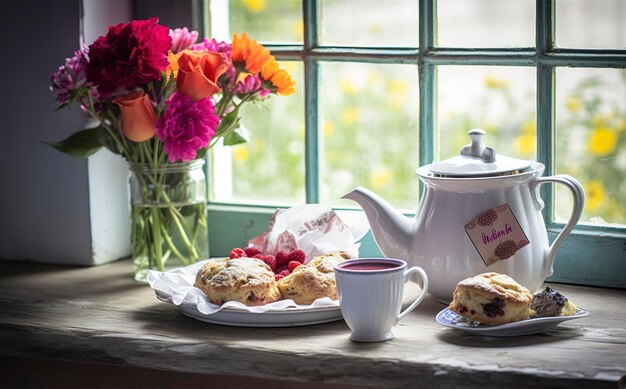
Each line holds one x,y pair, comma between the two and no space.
138,117
198,72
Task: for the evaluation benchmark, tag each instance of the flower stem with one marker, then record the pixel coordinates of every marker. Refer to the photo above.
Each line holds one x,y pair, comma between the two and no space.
156,238
176,216
173,247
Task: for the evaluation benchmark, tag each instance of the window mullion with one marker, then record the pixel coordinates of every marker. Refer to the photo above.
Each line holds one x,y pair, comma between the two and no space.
311,89
427,81
545,12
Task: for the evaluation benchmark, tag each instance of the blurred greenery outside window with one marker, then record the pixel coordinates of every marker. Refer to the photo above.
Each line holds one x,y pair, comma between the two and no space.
482,64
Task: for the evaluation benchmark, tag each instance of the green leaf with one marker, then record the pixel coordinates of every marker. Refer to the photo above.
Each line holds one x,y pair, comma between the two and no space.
80,144
107,141
237,136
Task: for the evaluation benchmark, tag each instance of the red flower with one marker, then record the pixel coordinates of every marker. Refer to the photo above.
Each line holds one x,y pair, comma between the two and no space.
129,55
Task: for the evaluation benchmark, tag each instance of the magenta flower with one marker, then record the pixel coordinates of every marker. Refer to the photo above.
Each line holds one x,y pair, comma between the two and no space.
186,126
70,78
182,39
129,55
252,85
213,45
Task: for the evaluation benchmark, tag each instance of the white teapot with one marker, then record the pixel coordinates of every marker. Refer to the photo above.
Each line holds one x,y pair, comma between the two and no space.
479,213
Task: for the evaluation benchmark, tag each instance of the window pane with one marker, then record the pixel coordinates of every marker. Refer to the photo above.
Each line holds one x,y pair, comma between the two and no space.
591,24
486,23
369,23
369,131
263,20
270,167
591,141
500,100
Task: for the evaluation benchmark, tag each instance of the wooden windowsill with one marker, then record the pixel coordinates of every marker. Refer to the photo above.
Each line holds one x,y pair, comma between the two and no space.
62,326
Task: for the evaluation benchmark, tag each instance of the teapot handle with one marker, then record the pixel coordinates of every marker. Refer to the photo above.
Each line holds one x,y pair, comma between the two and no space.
578,197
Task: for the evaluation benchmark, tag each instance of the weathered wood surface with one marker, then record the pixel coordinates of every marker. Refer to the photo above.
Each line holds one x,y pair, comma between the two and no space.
100,316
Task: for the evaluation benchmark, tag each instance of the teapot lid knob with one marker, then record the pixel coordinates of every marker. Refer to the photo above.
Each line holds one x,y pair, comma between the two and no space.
477,160
477,148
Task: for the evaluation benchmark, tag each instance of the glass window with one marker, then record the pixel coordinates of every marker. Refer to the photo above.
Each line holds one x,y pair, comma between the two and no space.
591,24
486,23
500,100
368,23
265,20
270,167
369,131
591,141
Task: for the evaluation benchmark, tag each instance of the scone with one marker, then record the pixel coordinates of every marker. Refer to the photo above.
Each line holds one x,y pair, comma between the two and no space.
491,298
326,263
549,302
314,280
247,280
209,269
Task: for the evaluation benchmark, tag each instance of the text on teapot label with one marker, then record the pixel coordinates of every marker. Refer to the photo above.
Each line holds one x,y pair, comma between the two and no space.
496,234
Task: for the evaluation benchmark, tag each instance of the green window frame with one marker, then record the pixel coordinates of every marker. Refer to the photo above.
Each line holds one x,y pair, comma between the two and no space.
591,255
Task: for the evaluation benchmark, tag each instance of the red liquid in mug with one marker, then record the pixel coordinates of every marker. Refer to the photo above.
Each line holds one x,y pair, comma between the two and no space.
370,266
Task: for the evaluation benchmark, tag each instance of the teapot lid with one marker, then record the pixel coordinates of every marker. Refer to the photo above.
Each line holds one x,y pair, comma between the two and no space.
476,159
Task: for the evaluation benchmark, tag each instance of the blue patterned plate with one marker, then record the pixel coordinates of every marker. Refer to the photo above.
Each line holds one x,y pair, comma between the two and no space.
451,319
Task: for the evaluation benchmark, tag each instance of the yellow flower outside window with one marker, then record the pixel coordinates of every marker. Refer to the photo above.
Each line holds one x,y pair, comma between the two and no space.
602,141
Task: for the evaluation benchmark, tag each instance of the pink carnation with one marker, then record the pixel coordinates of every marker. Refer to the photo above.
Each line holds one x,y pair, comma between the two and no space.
182,39
249,86
186,126
213,45
129,55
252,84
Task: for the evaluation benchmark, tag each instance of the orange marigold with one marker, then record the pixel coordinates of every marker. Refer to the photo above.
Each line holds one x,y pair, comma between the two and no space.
250,52
279,78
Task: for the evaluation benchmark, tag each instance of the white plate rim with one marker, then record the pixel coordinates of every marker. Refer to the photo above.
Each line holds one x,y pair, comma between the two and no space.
231,316
533,325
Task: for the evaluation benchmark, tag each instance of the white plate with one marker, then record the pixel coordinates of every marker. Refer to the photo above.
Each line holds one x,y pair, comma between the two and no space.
289,317
451,319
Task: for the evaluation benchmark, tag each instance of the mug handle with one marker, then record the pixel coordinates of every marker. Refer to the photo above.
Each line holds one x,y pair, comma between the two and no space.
407,277
578,197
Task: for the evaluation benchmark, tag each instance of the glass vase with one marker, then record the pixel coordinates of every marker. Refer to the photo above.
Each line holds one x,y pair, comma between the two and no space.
168,216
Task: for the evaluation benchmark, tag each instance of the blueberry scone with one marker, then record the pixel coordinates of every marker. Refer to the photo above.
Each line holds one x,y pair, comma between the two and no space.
549,302
491,298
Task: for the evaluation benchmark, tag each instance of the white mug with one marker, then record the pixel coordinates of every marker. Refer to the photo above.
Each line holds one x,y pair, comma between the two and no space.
370,295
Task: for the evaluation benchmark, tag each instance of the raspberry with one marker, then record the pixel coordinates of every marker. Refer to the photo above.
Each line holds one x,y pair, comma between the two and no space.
271,262
237,253
278,277
296,255
251,251
284,273
293,264
258,256
281,259
280,268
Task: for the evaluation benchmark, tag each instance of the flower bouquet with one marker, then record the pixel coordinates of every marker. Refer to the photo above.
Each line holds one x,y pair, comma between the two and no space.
161,100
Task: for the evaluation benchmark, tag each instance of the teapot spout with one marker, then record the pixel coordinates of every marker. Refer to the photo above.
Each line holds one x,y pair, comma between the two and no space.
393,232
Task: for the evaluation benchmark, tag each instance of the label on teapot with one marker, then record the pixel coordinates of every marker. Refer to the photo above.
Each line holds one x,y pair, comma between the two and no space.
496,234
